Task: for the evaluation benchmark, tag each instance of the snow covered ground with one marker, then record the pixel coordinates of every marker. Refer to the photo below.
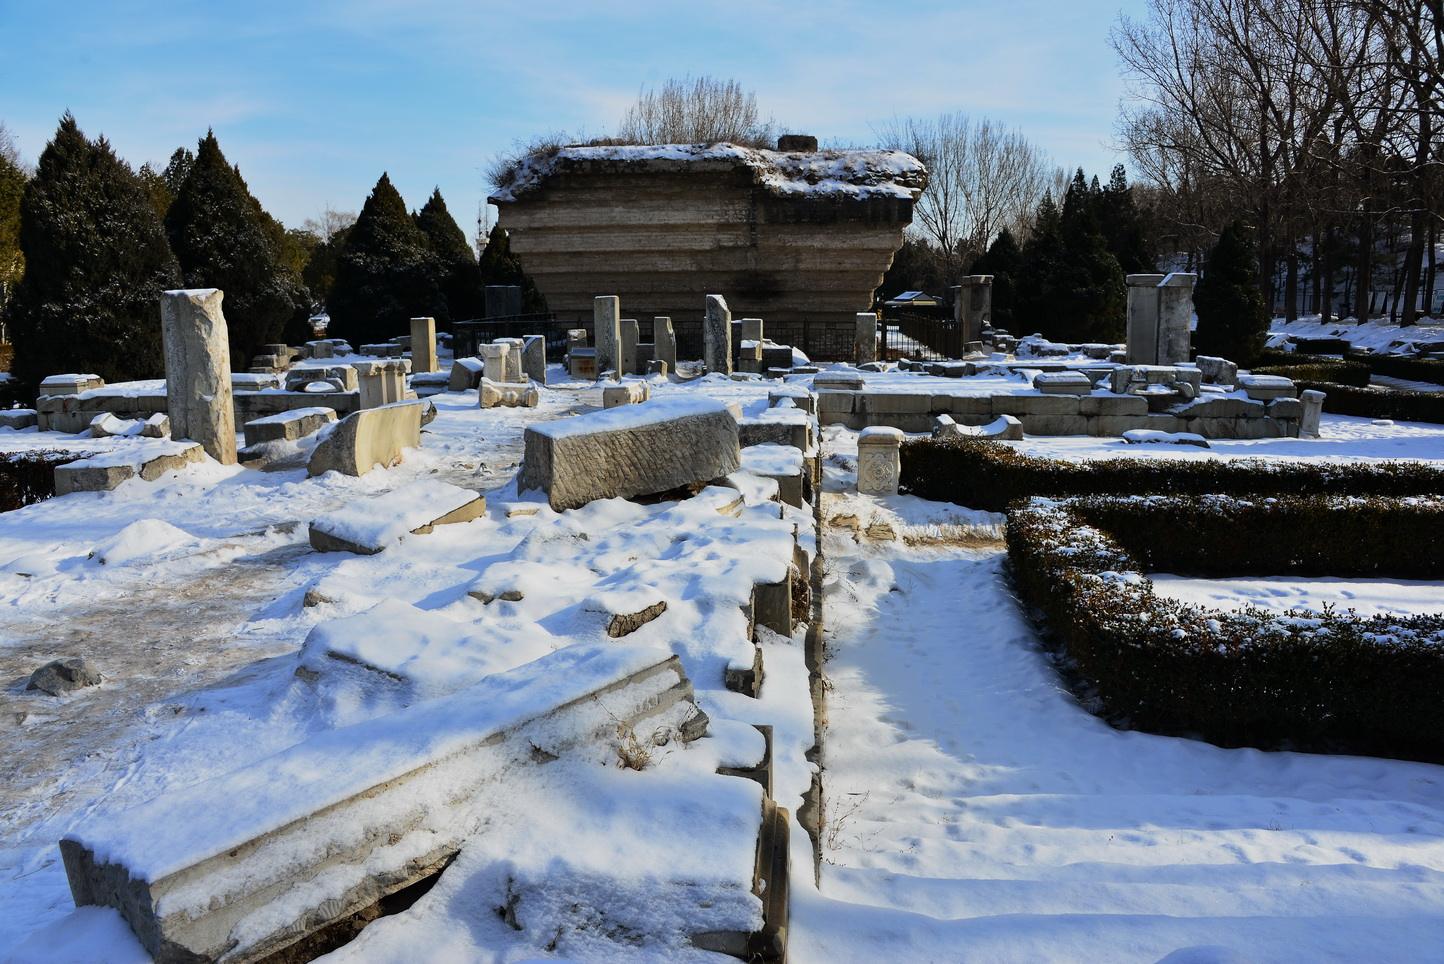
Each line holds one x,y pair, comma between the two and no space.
1367,597
1377,334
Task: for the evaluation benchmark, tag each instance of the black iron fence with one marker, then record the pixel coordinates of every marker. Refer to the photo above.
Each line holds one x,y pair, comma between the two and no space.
466,335
920,337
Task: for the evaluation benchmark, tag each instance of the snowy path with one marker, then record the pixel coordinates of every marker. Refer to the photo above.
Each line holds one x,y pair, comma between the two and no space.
978,813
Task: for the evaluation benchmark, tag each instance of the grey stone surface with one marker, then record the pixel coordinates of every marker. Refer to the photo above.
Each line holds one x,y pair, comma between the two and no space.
1142,318
373,436
289,426
493,359
438,506
630,332
198,370
1313,408
1217,371
664,340
149,460
629,452
717,336
423,345
465,374
607,326
1175,312
341,377
381,382
657,367
879,465
490,394
973,305
1063,383
1266,388
582,363
864,338
534,358
65,675
628,393
69,384
513,358
18,418
502,301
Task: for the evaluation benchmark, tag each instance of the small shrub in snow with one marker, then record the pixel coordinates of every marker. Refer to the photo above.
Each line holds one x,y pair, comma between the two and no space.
1378,402
1397,366
1310,680
27,478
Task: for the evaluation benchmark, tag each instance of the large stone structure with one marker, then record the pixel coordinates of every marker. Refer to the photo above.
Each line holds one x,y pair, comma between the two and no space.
717,336
973,305
198,370
1160,308
607,327
664,340
801,238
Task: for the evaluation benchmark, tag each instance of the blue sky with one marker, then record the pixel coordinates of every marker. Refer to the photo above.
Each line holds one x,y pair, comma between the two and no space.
315,100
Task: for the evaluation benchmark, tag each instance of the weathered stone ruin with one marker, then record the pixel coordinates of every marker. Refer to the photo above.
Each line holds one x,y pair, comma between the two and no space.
198,370
800,236
368,438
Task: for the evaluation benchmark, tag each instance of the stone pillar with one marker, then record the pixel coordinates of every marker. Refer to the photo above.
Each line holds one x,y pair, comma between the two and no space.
1175,311
423,345
630,334
665,340
534,358
198,370
607,323
717,336
1313,402
381,382
513,358
752,329
879,465
864,339
493,361
749,356
973,305
1142,331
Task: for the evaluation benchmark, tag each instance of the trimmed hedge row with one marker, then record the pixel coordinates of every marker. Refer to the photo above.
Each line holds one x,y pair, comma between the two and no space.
1326,681
990,475
1398,366
29,477
1378,402
1339,372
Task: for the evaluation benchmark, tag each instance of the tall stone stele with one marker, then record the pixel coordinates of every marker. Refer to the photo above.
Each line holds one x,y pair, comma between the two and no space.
717,336
630,331
665,340
423,345
973,305
198,370
1160,308
864,338
607,325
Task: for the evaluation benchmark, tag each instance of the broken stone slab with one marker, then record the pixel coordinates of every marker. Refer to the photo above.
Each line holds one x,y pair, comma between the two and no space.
66,675
198,370
628,393
1266,388
655,367
253,381
368,438
783,426
148,460
1063,383
630,451
490,394
1216,370
466,373
631,334
1313,409
428,384
288,426
879,466
623,612
781,463
1004,428
18,418
69,384
310,378
1143,436
664,341
371,525
607,323
534,358
243,865
847,381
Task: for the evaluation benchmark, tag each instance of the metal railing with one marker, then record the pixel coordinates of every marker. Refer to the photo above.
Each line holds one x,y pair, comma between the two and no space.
467,335
920,337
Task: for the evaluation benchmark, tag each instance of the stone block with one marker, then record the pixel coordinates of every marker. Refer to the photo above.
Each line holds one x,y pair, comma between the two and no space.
980,406
490,394
1217,371
534,358
1212,407
466,374
1002,428
1024,405
627,393
1266,388
797,395
839,380
655,367
1212,427
381,382
864,339
631,335
607,324
513,358
147,460
717,336
423,345
370,525
1112,405
628,452
1313,409
198,370
493,361
1286,408
18,418
1056,424
890,403
879,466
1063,383
582,363
336,378
835,403
288,426
664,341
368,438
780,426
69,384
776,356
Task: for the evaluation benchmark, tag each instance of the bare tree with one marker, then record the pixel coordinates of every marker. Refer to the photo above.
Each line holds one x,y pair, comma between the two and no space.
9,150
703,110
982,177
329,223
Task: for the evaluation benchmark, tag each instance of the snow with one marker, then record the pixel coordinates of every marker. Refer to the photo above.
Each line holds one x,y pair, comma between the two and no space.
1375,335
1367,597
135,451
294,415
382,520
141,541
627,417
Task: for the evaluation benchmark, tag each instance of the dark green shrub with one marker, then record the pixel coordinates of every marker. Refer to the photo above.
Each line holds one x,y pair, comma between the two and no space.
1327,370
1329,681
990,475
1397,366
29,477
1233,320
1377,402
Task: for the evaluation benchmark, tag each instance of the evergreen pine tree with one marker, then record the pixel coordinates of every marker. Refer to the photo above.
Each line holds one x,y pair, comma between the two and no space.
1233,318
1070,288
12,262
220,238
1037,303
384,273
458,271
1003,260
96,262
1122,225
500,267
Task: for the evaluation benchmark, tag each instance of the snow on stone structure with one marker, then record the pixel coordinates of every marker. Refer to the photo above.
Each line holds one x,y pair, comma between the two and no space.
607,328
664,341
423,345
147,460
973,305
864,338
879,464
490,394
243,865
465,374
628,393
1002,428
69,384
630,451
368,438
371,525
534,358
288,426
717,336
798,235
198,370
18,418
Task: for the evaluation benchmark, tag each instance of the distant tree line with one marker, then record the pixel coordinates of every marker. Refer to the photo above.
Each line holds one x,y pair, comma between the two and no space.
87,244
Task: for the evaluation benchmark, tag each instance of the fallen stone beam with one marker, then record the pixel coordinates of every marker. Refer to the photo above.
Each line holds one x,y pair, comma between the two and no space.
370,437
148,460
243,865
288,426
630,451
371,525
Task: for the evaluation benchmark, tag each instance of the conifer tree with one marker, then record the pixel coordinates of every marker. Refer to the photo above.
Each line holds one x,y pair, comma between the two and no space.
96,262
1122,225
1233,318
1003,260
12,262
221,239
385,272
500,267
458,272
1070,288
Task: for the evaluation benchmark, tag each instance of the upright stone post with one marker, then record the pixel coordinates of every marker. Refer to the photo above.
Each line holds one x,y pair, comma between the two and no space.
665,340
607,321
513,358
534,358
1175,311
630,334
749,345
752,329
1142,330
198,370
423,345
717,336
973,305
879,464
493,361
864,339
1313,405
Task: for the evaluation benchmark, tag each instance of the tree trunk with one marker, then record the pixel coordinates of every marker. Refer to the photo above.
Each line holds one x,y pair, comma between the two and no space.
1291,282
1433,268
1364,273
1316,267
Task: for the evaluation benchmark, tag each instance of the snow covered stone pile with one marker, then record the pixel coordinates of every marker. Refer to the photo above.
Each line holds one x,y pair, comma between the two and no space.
1318,679
630,451
147,459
